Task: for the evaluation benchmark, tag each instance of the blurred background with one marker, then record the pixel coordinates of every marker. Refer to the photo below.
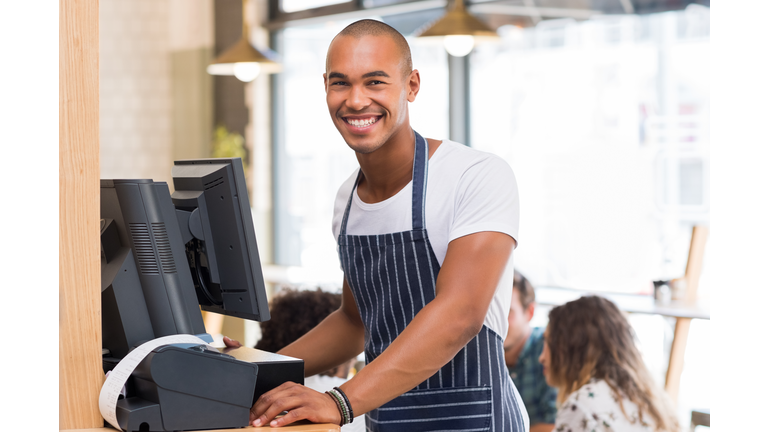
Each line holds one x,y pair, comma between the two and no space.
601,107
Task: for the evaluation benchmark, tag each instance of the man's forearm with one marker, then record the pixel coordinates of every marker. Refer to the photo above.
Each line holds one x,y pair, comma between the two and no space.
427,344
465,287
334,341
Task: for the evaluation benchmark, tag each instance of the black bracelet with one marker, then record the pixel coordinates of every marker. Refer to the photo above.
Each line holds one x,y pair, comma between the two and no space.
346,400
340,405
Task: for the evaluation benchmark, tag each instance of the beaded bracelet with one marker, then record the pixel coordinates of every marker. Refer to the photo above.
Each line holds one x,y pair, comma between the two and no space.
349,405
340,405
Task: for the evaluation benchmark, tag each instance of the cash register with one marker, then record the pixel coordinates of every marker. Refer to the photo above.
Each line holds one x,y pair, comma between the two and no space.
164,257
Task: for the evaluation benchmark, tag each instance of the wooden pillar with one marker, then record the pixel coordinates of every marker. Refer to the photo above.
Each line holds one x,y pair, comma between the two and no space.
683,325
80,371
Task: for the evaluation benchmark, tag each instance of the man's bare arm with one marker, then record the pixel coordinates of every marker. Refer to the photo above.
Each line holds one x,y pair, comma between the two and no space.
466,284
335,340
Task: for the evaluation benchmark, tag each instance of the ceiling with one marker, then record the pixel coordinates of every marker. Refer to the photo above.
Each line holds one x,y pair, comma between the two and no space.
408,15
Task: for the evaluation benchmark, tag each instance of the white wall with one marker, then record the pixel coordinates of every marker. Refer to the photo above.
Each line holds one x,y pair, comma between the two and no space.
135,89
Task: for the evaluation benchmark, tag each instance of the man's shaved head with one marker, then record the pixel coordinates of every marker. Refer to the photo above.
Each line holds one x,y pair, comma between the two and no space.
369,27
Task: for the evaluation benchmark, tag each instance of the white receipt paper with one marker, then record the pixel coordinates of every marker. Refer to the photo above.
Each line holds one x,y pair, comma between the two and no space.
116,379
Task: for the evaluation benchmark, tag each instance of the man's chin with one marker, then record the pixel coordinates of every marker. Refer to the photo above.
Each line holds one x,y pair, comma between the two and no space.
361,146
362,149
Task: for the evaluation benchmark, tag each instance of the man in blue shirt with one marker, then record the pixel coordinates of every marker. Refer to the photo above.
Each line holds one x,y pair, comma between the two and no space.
522,348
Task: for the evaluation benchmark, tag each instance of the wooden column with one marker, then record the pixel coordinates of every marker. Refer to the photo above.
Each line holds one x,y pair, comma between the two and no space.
683,325
80,371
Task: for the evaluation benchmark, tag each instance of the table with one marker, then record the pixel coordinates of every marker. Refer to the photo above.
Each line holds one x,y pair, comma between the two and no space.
301,427
634,303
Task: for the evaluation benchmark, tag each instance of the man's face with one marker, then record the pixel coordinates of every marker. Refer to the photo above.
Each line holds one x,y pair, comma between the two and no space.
367,91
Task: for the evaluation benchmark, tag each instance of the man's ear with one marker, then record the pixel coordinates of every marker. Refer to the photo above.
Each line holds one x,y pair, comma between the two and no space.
325,82
414,84
529,311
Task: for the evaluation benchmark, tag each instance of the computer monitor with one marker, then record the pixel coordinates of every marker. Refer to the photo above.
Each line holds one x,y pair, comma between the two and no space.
164,257
143,267
214,212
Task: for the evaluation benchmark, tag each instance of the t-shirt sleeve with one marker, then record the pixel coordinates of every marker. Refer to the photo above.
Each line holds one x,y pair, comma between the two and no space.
486,200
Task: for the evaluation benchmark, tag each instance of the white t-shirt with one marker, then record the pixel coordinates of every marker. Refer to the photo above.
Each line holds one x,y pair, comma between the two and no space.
468,191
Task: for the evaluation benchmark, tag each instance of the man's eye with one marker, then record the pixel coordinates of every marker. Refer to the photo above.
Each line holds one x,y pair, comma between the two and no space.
338,83
376,82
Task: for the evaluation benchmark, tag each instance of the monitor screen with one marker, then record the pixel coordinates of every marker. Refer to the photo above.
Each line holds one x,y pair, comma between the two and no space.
217,229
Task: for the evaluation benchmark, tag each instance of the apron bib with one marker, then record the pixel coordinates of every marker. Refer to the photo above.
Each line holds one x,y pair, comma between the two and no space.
392,277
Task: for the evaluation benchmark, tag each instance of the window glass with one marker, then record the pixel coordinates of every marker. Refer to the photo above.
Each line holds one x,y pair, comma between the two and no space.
299,5
315,160
605,123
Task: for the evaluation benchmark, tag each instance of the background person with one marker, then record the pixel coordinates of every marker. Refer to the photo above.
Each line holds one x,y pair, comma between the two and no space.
590,356
522,348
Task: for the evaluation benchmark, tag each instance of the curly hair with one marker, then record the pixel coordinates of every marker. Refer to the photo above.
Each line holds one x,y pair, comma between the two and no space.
294,313
590,338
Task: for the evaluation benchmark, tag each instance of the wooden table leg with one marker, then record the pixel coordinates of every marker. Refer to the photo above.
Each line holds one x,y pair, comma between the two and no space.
683,325
677,357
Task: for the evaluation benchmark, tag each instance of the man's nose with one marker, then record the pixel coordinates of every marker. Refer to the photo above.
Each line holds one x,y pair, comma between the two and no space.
358,99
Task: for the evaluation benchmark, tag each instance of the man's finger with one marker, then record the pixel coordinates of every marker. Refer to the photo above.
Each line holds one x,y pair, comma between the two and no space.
275,407
231,343
293,415
285,389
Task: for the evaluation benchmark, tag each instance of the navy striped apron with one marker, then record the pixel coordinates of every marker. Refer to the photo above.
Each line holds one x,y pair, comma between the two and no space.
392,277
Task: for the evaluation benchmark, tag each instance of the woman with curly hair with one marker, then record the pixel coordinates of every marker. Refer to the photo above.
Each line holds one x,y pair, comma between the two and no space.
590,356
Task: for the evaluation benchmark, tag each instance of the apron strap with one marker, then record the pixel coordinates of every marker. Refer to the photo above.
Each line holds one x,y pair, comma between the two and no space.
343,230
419,188
419,192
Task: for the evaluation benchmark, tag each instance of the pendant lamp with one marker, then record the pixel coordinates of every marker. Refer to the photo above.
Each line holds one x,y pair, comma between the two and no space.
460,30
243,60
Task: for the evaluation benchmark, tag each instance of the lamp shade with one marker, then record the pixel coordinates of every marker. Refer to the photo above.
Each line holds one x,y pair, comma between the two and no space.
239,55
243,60
459,28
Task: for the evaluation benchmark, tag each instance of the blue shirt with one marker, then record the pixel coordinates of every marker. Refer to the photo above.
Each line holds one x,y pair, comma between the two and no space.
528,375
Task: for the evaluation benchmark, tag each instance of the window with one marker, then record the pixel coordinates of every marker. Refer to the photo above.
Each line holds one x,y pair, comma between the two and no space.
605,124
299,5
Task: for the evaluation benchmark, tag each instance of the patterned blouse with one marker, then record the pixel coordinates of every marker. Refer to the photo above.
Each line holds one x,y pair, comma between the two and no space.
594,408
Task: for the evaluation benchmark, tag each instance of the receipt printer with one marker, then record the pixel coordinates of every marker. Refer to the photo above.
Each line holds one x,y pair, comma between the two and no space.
187,387
190,387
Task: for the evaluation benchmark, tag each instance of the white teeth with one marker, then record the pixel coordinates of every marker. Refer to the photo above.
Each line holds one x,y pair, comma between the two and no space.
362,123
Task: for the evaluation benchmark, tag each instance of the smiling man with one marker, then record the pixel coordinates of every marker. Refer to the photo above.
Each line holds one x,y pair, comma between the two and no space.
425,232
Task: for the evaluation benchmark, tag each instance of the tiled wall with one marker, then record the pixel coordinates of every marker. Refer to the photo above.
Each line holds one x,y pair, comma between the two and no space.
135,89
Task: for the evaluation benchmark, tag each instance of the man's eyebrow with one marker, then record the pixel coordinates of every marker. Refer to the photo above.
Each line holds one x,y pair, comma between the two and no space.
376,74
367,75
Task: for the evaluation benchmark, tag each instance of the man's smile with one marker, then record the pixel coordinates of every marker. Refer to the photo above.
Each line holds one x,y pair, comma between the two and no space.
361,122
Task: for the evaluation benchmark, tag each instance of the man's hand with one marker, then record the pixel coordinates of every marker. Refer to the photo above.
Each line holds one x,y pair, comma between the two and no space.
231,343
301,403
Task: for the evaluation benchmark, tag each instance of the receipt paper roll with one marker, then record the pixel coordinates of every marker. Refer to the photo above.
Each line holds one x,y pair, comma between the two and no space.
116,379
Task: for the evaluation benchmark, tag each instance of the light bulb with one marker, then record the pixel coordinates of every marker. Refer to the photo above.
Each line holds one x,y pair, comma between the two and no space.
247,72
459,45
